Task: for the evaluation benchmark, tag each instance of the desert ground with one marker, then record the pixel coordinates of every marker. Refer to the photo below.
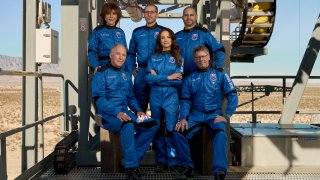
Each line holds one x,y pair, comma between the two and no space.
10,116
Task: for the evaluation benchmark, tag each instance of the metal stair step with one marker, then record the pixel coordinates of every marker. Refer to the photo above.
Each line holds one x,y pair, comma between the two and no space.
259,25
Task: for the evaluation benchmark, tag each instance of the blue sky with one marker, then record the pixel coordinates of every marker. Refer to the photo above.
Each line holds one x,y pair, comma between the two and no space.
295,21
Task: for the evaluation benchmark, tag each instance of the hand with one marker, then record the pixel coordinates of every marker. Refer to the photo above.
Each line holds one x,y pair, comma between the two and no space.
175,76
96,69
123,116
183,125
153,72
220,119
135,72
142,116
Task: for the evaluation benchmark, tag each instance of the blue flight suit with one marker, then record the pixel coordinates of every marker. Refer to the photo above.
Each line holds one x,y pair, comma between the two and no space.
112,91
142,46
201,102
189,39
101,41
164,96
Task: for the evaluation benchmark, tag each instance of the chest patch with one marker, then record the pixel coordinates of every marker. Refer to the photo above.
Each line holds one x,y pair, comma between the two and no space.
124,77
213,78
194,36
118,35
155,35
172,60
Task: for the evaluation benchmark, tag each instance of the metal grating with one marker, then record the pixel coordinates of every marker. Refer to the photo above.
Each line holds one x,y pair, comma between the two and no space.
94,173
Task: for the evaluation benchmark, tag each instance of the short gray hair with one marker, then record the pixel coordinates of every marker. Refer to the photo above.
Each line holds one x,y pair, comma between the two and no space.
200,48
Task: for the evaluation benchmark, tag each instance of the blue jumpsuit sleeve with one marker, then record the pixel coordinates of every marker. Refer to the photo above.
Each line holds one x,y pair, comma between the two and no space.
229,90
174,82
153,79
132,101
132,52
93,49
186,99
215,47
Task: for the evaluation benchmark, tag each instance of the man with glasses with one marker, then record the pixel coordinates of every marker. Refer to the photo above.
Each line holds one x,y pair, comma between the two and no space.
201,104
194,35
142,46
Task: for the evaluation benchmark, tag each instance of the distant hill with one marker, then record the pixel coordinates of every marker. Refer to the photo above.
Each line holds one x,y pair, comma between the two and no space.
15,63
10,63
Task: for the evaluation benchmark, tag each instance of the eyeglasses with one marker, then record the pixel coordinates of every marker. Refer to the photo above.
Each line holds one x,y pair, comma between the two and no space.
200,57
149,12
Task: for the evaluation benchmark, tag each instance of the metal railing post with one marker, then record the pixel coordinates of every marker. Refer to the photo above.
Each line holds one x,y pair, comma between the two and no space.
41,141
3,159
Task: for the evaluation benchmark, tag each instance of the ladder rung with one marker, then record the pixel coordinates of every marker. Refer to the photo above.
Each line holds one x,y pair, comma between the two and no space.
260,13
254,42
259,25
260,1
257,35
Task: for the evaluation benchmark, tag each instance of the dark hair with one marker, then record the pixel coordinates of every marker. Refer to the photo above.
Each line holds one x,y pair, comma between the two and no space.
107,8
200,48
152,5
189,7
174,50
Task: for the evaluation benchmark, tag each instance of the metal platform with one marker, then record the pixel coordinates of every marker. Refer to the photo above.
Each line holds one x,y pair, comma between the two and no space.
234,173
280,145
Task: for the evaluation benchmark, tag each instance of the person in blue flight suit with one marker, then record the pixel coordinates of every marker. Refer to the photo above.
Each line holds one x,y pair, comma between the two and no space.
192,36
113,94
164,74
201,103
105,36
141,47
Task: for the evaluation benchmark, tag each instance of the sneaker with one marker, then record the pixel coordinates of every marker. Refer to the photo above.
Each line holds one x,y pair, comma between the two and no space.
161,167
220,175
134,174
184,173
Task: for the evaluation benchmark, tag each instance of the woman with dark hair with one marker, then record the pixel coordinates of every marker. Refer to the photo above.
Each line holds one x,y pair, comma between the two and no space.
105,36
164,74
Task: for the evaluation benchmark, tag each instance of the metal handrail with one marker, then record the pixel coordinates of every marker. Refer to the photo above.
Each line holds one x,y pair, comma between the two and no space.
284,78
25,73
19,129
3,136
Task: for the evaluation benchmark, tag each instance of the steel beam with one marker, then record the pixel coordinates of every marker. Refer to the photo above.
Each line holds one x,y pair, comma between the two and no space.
29,85
302,77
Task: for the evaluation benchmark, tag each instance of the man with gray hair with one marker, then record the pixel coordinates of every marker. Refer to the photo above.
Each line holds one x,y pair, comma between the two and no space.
201,104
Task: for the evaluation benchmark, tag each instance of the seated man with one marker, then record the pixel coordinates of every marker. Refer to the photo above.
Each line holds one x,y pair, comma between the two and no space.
113,94
201,103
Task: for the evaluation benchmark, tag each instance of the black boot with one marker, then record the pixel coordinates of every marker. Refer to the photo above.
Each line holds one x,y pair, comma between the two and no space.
184,173
219,175
134,174
161,167
174,170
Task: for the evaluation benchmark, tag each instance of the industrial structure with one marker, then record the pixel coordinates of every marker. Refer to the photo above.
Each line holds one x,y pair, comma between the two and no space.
254,147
